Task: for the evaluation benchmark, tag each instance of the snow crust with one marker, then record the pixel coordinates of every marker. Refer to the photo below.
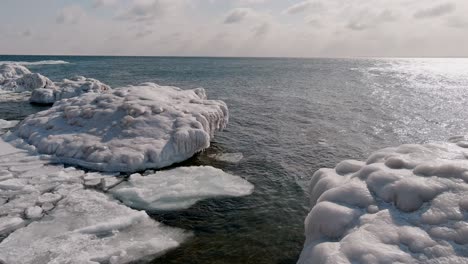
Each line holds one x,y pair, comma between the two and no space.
403,205
66,89
130,129
179,188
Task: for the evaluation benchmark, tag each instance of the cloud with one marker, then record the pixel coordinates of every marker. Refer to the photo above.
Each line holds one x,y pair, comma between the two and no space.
435,11
298,8
70,15
262,29
366,19
100,3
237,15
26,33
149,10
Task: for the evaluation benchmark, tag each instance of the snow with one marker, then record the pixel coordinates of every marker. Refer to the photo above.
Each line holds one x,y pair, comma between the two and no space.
179,188
146,126
15,78
227,157
68,88
53,214
7,124
403,205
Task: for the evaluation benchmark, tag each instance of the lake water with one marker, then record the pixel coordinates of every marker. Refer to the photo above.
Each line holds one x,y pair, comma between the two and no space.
288,118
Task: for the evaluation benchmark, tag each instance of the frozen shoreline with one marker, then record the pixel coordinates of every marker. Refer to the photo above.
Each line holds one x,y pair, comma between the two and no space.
407,204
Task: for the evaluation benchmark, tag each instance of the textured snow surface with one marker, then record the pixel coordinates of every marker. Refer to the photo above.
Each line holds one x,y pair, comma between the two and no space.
179,188
7,124
47,216
403,205
68,88
130,129
17,78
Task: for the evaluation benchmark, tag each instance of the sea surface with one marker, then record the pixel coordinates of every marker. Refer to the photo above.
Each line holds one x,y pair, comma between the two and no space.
288,118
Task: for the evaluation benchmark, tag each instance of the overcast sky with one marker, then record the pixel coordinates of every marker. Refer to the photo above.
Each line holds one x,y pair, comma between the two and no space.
311,28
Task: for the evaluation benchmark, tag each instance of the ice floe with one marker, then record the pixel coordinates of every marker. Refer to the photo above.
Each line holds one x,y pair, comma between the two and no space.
53,214
67,88
179,188
403,205
8,124
130,129
227,157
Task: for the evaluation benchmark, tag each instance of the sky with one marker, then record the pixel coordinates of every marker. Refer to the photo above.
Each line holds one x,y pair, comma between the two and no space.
272,28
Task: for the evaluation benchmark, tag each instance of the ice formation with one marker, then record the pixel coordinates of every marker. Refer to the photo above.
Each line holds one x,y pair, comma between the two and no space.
179,188
130,129
66,89
403,205
227,157
7,124
42,62
17,78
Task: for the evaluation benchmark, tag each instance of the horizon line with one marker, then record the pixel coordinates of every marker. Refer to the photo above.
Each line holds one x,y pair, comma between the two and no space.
246,57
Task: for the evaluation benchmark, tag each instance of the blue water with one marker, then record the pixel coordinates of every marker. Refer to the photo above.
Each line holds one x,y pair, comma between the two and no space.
289,117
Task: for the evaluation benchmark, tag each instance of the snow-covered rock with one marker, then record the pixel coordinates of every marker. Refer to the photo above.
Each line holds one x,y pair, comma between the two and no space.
403,205
66,89
17,78
179,188
130,129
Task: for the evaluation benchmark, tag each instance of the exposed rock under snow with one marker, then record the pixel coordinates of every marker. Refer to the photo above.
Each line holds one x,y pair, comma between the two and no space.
404,205
66,89
179,188
130,129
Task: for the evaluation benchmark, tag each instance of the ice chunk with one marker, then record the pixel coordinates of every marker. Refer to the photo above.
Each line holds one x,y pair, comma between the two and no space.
68,88
7,124
179,188
227,157
404,205
133,128
17,78
87,227
48,217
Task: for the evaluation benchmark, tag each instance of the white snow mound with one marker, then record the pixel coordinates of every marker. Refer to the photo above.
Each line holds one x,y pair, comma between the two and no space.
66,89
404,205
130,129
179,188
7,124
17,78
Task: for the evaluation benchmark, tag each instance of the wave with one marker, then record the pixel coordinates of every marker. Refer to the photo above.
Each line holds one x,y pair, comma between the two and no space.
43,62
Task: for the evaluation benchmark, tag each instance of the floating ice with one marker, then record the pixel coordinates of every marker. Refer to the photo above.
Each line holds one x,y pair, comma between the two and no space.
227,157
47,217
67,89
404,205
133,128
7,124
87,227
179,188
